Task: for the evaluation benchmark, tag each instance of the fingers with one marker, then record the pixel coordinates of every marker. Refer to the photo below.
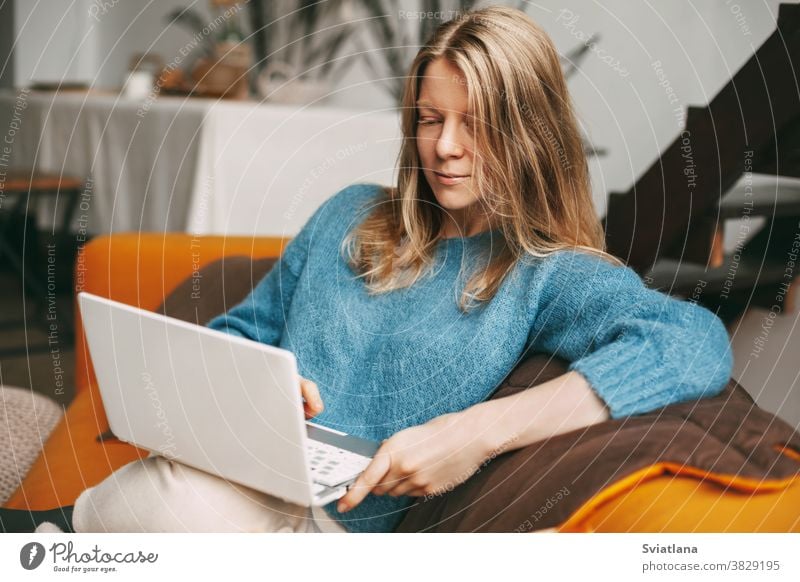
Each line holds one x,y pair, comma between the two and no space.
392,480
313,401
372,475
411,484
404,487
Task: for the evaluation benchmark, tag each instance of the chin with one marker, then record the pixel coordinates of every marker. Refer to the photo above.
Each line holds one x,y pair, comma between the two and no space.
453,197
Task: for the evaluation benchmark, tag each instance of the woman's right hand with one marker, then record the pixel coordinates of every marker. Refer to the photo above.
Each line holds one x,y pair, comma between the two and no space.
312,404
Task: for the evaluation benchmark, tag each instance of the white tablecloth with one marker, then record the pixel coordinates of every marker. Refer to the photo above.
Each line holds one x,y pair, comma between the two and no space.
199,165
139,163
264,169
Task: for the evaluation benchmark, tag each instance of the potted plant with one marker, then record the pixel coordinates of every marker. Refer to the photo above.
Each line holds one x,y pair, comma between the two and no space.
225,57
297,45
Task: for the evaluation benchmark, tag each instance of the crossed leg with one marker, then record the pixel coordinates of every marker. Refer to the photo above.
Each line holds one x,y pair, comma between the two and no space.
156,494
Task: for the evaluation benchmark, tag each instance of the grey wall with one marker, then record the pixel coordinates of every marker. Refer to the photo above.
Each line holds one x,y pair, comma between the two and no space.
53,42
139,26
699,44
89,41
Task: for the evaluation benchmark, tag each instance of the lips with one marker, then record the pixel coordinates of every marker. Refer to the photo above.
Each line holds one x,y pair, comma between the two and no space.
446,175
449,179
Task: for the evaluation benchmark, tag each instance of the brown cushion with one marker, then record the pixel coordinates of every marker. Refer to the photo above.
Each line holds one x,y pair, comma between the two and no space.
215,289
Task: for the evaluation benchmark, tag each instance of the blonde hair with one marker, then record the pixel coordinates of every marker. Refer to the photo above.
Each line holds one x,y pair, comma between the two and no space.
530,168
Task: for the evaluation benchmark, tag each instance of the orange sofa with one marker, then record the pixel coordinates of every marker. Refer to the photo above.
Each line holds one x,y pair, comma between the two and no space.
142,269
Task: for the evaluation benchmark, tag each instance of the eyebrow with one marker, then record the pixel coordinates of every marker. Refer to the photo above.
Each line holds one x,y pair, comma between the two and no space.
428,105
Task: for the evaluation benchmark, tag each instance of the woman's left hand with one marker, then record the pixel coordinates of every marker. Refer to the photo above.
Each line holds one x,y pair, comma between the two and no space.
428,459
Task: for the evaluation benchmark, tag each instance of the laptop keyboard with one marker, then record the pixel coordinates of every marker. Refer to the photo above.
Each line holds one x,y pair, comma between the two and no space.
332,466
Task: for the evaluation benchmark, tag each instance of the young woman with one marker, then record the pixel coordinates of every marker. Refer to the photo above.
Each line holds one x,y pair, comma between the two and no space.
406,307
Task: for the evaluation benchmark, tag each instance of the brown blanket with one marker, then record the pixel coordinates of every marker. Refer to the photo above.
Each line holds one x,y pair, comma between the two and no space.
727,438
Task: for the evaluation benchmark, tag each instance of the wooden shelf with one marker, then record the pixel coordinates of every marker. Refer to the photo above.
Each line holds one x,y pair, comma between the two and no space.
767,200
683,277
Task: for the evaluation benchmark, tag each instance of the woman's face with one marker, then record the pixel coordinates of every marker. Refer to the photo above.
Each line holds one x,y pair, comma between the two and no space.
445,144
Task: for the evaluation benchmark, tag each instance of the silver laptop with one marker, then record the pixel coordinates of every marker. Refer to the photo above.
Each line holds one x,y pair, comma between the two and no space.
220,403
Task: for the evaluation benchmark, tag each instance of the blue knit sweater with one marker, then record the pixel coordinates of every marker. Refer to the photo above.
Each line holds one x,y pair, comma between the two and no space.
387,362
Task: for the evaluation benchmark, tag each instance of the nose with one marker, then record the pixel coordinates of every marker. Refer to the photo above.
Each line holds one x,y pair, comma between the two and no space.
449,144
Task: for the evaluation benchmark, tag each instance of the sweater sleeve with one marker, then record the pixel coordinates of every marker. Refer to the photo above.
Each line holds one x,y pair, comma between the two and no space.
261,316
638,348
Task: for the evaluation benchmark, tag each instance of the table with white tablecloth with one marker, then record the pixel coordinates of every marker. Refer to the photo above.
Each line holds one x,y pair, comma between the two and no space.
197,165
264,169
139,162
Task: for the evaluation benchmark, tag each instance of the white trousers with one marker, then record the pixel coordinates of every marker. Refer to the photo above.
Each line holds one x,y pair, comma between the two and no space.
159,495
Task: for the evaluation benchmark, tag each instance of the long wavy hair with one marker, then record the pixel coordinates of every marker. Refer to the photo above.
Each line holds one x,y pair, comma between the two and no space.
529,166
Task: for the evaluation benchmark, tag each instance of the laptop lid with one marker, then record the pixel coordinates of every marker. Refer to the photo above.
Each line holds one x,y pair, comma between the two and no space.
220,403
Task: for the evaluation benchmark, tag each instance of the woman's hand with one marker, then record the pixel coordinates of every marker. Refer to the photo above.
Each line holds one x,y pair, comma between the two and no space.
312,404
428,459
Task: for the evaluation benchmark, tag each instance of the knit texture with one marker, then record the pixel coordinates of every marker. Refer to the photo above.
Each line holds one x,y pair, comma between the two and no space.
387,362
28,418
